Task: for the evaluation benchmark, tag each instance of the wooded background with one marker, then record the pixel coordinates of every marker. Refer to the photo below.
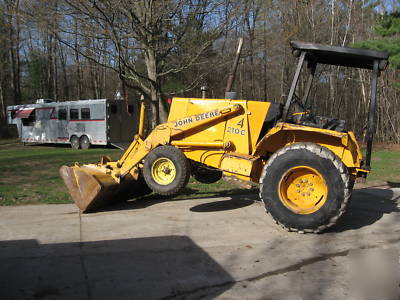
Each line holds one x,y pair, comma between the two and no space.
86,49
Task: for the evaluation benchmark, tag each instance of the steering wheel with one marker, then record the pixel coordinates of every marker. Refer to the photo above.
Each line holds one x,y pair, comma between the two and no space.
301,110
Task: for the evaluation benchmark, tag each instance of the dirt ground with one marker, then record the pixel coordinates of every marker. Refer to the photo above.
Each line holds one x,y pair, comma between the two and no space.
225,248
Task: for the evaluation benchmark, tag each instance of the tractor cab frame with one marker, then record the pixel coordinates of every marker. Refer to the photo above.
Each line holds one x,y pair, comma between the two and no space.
310,55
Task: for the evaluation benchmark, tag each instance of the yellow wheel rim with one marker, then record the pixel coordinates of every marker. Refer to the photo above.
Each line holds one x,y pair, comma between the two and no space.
303,190
163,171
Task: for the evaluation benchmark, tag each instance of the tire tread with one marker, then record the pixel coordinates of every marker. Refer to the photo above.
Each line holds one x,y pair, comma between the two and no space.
181,160
323,152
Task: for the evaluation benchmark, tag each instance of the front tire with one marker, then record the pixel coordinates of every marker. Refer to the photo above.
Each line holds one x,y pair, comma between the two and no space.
166,170
305,187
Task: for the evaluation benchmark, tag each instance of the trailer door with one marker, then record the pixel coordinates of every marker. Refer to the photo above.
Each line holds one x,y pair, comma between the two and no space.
62,124
114,120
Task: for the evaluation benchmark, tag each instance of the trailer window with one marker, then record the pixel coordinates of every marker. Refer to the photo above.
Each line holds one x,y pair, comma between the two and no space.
130,109
62,114
73,114
85,113
30,121
114,109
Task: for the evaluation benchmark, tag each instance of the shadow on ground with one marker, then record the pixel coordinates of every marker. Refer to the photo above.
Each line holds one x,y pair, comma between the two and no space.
141,268
222,205
243,198
392,184
366,207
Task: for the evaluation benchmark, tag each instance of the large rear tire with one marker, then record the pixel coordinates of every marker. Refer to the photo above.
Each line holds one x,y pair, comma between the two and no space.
305,187
166,170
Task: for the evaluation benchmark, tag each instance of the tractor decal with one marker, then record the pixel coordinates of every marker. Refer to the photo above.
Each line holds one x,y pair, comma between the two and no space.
199,117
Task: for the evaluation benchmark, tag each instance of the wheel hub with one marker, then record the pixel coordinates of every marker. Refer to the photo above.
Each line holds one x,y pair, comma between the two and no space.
163,171
303,190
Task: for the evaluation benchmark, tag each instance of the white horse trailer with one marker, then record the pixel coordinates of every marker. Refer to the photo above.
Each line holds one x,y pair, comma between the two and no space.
80,123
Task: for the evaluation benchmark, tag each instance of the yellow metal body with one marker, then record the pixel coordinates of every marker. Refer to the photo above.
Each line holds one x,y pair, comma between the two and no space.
141,122
242,152
226,134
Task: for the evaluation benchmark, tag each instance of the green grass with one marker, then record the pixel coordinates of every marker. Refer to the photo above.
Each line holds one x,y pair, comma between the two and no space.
385,167
29,174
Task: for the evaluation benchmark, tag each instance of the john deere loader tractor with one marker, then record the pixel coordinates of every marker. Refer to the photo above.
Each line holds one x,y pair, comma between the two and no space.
305,164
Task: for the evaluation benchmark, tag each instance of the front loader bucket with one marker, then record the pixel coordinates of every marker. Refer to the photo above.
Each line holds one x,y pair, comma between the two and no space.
92,189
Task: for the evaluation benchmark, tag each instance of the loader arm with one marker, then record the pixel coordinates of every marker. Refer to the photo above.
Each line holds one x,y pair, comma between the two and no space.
170,133
94,185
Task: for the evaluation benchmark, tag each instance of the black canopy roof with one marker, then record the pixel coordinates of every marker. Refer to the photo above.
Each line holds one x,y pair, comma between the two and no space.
341,56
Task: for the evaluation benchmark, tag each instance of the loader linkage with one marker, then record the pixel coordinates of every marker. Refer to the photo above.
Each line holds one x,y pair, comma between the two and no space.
93,185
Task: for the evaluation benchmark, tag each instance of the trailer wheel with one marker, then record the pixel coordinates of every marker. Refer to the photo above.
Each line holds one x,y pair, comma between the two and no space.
305,187
75,142
84,142
166,170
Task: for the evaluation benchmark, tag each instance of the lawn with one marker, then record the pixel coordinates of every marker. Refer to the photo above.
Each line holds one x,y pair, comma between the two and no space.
385,167
29,174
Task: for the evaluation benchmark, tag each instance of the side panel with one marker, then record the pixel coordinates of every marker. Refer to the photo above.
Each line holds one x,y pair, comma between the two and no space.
257,113
244,130
88,119
181,108
114,121
129,120
184,107
241,130
237,131
344,145
37,128
122,120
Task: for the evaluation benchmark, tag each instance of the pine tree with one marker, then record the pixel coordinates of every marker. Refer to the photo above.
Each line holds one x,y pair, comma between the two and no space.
388,30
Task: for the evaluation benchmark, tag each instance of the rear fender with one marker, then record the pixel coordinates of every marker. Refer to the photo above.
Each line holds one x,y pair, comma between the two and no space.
343,144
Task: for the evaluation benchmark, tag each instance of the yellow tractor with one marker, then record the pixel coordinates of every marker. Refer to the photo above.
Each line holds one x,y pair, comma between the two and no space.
306,164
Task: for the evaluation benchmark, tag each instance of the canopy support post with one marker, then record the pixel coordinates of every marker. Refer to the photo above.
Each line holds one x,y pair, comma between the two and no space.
372,115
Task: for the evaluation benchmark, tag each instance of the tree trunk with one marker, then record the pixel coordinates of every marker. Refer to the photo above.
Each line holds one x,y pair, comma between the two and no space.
64,74
94,79
55,71
14,57
332,69
154,105
3,111
155,96
50,90
163,109
77,63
